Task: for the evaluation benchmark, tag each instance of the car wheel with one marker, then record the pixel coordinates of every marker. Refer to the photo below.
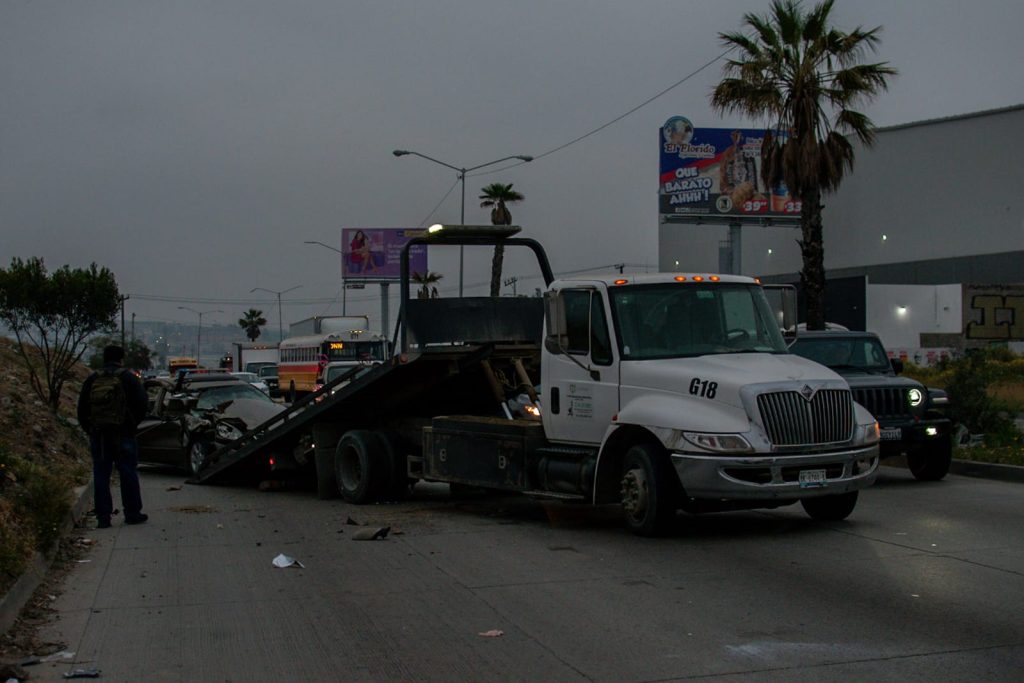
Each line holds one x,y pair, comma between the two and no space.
830,508
649,492
931,463
359,467
198,452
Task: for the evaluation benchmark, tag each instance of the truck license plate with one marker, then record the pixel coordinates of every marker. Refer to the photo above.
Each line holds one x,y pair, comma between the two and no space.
894,434
812,478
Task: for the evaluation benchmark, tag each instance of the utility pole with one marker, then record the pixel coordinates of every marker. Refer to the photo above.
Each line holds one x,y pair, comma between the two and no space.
122,299
512,281
620,266
133,327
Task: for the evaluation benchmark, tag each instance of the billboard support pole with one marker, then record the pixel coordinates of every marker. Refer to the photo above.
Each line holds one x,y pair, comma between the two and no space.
736,246
384,305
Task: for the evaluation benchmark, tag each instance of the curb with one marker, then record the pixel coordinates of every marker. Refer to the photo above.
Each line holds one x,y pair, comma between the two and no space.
987,470
35,573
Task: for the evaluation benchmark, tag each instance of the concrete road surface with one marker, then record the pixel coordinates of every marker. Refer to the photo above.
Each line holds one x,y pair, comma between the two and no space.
924,582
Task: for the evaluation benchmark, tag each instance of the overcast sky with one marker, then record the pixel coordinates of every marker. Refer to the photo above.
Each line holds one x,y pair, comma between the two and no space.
192,147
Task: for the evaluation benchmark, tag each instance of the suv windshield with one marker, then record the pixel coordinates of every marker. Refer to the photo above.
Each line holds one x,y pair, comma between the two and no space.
674,320
844,353
268,371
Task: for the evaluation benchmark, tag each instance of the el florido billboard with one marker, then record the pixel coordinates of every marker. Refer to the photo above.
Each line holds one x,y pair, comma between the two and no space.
717,172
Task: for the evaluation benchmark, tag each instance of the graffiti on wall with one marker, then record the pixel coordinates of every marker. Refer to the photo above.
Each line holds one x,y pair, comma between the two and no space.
994,312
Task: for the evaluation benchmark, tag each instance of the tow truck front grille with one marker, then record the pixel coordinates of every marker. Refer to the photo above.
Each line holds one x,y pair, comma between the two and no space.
792,420
884,403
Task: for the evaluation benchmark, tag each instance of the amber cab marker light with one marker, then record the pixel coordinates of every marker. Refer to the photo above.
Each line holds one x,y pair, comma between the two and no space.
620,282
680,278
714,278
698,278
757,280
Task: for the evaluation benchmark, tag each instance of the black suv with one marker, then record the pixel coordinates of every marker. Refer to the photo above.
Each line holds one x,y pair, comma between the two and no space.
911,416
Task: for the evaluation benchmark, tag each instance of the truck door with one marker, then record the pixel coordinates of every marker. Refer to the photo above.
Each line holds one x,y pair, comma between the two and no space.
580,374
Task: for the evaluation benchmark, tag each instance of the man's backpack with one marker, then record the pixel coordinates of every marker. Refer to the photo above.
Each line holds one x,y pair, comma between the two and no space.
108,404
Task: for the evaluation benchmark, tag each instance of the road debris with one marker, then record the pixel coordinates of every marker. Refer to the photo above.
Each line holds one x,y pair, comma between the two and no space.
282,561
371,534
174,488
82,673
493,633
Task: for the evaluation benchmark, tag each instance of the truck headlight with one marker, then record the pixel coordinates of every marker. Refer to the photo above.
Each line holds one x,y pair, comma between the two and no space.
228,432
871,433
719,443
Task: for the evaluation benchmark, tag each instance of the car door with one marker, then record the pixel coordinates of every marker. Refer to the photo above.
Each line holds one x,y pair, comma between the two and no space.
159,433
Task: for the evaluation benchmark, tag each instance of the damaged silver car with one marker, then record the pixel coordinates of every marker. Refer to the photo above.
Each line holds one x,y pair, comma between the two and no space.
192,417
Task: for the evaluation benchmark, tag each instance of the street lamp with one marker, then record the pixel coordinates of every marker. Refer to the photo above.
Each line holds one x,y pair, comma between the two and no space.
280,327
462,178
199,328
344,287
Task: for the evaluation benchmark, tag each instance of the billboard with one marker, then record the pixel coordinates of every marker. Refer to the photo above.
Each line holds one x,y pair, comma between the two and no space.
716,172
375,254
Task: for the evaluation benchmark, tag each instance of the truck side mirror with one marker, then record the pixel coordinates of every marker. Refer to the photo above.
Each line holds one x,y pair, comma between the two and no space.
783,302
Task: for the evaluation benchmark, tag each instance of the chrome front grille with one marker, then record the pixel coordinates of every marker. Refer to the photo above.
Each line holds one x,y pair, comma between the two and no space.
884,402
792,420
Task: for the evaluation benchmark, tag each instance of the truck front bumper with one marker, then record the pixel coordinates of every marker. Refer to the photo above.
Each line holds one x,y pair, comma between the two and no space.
776,476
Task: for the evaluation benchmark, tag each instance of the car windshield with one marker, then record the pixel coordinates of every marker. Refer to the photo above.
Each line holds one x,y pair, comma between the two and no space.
213,396
851,353
675,320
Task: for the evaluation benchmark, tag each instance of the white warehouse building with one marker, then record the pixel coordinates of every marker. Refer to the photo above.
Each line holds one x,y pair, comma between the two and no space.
932,204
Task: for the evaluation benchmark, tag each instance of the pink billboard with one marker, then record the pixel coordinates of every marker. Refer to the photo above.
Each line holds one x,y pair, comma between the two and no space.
375,254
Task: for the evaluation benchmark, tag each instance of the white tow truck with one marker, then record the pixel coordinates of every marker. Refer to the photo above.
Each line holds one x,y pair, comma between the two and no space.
660,393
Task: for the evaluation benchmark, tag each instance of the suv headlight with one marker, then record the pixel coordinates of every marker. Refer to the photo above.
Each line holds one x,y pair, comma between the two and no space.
915,397
719,443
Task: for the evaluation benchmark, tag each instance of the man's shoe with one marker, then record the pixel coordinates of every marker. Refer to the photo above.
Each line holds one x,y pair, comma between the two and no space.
136,519
103,524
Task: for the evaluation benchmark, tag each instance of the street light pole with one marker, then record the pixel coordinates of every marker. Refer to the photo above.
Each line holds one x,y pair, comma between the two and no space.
199,327
280,326
462,178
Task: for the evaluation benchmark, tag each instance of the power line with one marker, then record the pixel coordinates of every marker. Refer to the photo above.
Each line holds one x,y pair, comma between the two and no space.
454,185
618,118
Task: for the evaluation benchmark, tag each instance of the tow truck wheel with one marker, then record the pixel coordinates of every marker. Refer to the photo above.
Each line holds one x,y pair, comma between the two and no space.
649,495
198,452
830,508
931,463
358,466
398,485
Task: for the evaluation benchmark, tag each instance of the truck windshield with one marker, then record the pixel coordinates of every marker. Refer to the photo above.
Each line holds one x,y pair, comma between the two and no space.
844,353
674,320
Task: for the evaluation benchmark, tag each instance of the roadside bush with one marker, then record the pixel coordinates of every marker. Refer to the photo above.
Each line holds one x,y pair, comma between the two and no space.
970,401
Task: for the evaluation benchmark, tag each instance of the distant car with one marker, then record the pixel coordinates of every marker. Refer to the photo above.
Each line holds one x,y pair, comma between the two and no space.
911,416
191,417
253,379
268,373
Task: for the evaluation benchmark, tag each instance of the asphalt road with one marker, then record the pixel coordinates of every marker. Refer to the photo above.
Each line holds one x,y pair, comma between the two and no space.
924,582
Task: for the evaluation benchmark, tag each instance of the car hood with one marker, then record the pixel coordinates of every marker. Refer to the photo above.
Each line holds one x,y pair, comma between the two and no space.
251,412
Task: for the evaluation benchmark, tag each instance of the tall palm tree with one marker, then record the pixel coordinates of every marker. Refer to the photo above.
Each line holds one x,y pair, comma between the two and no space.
802,77
252,321
498,196
426,280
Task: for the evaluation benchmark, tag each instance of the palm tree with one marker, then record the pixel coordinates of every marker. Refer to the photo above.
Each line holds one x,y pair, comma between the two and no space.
498,196
252,321
426,281
802,76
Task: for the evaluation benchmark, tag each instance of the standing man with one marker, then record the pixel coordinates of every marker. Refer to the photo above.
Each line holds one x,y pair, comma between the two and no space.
110,407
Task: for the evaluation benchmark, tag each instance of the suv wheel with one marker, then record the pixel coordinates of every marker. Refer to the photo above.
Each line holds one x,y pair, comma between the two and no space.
931,462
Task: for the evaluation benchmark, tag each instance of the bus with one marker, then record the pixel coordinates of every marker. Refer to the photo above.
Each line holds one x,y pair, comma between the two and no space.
175,363
303,359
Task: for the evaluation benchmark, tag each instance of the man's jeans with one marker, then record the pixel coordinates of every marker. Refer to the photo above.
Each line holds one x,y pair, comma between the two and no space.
108,450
